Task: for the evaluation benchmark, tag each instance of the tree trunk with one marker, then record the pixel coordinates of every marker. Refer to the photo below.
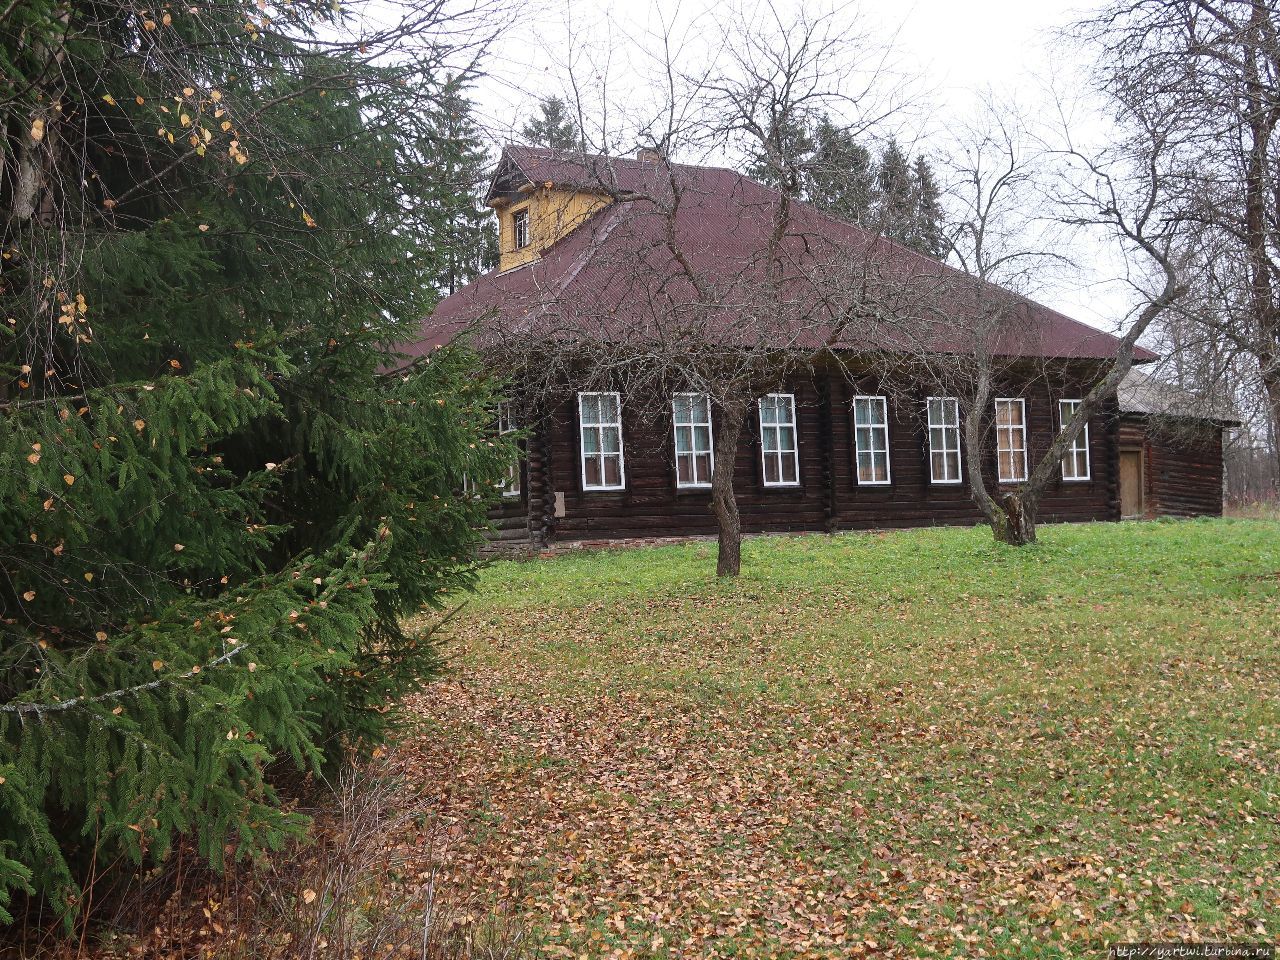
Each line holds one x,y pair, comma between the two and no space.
1017,526
1272,384
723,502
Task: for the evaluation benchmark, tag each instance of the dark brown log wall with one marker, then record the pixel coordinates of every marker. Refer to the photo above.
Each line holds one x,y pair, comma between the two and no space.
1182,465
828,496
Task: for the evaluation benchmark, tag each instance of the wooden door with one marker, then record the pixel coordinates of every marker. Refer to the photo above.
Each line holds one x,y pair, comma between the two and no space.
1131,504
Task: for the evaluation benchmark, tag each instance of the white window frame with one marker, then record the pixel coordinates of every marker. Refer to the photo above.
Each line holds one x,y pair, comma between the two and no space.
779,452
507,424
691,425
883,427
599,427
1022,429
1079,444
958,450
520,227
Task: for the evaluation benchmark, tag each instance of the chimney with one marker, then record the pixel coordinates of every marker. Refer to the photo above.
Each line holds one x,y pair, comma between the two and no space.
648,155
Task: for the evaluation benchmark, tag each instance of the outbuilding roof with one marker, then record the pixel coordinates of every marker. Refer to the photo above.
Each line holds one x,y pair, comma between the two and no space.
1142,394
614,274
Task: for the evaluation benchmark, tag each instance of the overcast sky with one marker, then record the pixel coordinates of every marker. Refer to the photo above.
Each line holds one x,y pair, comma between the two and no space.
947,51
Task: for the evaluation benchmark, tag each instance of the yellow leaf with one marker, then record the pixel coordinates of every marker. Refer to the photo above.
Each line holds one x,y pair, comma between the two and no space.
109,99
157,664
118,710
252,667
203,228
37,130
33,458
139,424
148,24
29,596
68,479
101,635
88,576
308,895
215,95
188,92
179,547
307,219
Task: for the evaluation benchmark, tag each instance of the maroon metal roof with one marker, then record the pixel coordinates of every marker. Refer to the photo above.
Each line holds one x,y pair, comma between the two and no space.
616,275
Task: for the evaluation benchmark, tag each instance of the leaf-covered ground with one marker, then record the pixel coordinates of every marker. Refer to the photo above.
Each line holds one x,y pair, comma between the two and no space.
915,743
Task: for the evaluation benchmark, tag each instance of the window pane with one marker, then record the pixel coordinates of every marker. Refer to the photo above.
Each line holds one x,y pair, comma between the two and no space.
612,470
684,468
769,439
938,466
683,408
608,408
590,440
610,440
591,471
684,439
768,410
788,469
590,406
701,438
786,413
701,404
937,438
702,464
787,438
771,469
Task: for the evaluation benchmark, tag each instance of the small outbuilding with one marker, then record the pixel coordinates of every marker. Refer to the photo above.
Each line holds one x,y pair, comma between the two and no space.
1170,450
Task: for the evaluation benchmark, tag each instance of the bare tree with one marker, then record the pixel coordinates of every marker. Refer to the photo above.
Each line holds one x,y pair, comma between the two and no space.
1212,69
730,324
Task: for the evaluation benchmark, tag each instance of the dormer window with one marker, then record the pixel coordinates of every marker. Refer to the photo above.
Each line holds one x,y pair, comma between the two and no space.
520,228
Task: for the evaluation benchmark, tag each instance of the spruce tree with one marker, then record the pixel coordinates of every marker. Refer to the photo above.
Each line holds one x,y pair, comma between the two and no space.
469,244
221,491
895,195
840,174
554,127
928,235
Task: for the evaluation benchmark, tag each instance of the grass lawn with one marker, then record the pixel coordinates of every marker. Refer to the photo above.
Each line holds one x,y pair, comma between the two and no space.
913,743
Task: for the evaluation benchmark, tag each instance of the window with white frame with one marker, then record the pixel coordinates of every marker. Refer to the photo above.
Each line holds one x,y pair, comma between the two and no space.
520,228
778,440
600,420
871,439
691,414
943,414
1011,440
507,424
1075,465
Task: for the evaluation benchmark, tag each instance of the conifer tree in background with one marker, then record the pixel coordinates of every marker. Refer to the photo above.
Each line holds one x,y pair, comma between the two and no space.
928,237
217,503
554,127
823,164
469,244
896,195
841,174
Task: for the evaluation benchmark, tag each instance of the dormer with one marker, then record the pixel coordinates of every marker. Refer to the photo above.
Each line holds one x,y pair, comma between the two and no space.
535,213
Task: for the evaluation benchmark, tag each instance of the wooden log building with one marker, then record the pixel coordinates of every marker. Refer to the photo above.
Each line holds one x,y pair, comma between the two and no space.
822,452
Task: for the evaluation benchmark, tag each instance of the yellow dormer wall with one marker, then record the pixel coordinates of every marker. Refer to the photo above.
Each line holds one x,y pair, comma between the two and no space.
553,212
